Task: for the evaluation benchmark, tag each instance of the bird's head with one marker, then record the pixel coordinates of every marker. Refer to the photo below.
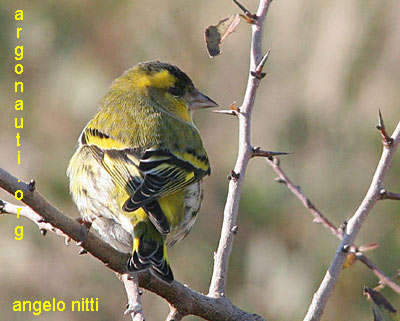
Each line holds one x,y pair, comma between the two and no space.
168,86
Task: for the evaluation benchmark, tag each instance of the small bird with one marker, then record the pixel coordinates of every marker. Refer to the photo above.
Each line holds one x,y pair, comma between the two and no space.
136,175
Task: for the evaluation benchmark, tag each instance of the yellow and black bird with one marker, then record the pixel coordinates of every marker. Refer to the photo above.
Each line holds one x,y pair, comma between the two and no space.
137,172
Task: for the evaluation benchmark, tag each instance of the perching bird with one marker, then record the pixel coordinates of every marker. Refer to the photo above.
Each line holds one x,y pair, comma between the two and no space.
137,172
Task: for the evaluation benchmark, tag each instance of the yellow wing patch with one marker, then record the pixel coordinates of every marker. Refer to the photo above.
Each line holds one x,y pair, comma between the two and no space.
194,160
121,171
94,137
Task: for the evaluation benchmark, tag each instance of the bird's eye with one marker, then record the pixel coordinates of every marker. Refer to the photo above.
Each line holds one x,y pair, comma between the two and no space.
176,91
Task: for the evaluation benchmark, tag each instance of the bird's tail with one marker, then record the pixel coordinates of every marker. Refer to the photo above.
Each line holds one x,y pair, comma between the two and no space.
151,254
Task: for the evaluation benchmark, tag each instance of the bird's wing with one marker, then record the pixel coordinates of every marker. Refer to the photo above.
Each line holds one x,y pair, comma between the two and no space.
166,172
122,164
146,175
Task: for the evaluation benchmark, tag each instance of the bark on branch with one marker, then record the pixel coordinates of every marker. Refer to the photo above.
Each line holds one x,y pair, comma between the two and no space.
184,299
319,218
221,257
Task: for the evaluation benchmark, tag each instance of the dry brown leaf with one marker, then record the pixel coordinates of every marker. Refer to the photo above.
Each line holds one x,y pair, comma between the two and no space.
214,35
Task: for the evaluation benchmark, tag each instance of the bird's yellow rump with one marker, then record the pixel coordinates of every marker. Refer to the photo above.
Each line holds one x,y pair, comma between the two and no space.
136,174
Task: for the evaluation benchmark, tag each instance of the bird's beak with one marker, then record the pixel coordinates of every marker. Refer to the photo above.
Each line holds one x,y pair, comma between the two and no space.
198,100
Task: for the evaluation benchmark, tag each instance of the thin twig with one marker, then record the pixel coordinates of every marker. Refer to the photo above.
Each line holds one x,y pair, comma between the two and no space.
318,216
373,195
133,292
383,278
221,257
338,232
385,195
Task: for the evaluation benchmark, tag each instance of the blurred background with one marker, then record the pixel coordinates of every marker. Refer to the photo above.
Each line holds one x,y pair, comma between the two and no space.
333,65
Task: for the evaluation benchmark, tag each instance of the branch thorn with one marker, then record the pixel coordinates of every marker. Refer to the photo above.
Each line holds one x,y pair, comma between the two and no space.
381,124
386,139
234,229
31,185
263,61
258,73
67,240
83,251
256,151
226,112
259,76
251,18
133,309
280,180
233,175
317,220
342,226
348,248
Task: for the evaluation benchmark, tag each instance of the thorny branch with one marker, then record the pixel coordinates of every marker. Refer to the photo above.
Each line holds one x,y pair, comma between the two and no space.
184,299
318,216
221,257
383,278
320,298
321,219
385,195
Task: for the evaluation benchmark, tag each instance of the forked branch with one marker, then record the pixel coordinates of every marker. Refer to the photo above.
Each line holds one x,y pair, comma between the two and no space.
319,218
320,298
